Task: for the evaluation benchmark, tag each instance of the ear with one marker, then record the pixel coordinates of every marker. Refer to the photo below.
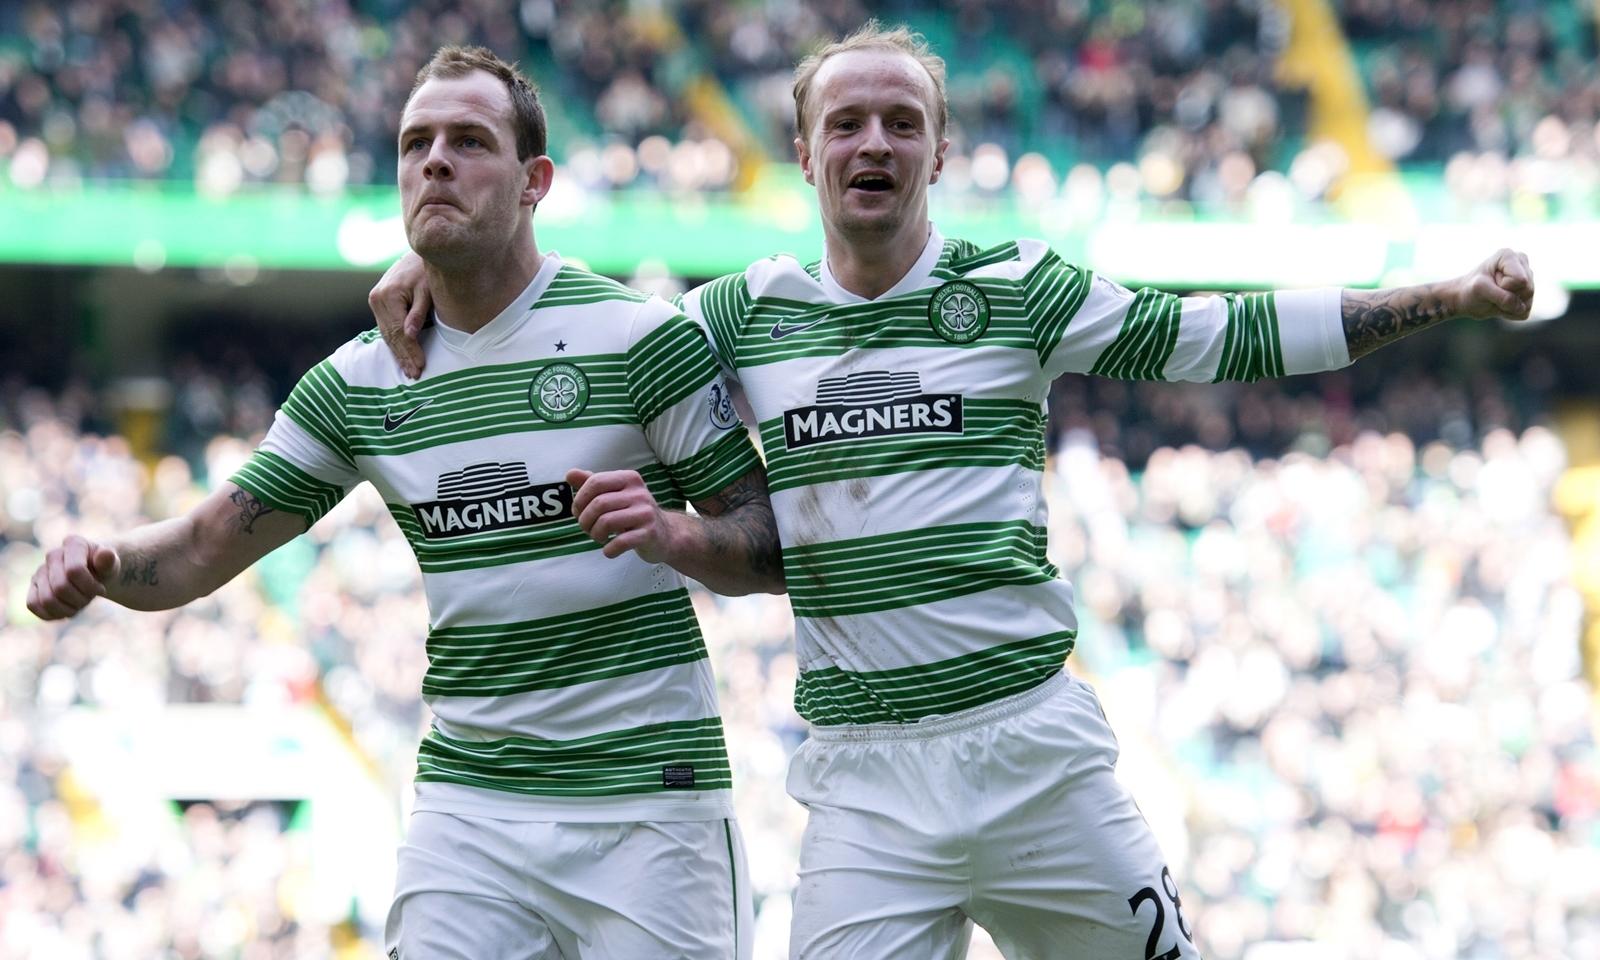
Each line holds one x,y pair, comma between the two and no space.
938,160
541,171
804,153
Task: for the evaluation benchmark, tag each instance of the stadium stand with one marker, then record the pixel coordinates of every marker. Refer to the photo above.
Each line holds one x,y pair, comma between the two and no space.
1199,96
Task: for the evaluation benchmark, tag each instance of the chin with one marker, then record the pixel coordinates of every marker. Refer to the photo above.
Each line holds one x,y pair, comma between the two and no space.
869,225
440,246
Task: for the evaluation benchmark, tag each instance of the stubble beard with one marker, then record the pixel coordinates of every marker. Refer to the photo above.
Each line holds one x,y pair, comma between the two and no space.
870,228
453,245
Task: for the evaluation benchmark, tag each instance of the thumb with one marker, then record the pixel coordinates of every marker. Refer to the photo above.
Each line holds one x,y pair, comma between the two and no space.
103,560
576,478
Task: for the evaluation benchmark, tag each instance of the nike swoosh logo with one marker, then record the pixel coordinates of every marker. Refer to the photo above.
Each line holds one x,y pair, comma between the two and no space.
391,423
779,331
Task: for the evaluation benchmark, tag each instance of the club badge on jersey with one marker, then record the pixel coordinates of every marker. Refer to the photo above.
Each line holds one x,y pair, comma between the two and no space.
959,312
559,392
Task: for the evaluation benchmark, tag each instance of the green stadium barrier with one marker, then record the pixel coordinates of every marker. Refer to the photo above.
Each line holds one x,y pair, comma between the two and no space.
154,226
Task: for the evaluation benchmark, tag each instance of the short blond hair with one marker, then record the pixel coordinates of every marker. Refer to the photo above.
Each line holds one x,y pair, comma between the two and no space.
873,36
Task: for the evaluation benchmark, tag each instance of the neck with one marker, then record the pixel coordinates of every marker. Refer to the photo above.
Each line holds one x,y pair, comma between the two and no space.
468,296
869,266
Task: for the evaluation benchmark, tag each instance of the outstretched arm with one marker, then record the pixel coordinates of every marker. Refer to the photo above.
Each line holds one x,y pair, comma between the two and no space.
163,565
1501,286
730,543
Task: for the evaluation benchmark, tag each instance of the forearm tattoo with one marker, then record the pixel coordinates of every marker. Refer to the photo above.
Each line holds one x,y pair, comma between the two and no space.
139,570
1373,318
745,525
250,507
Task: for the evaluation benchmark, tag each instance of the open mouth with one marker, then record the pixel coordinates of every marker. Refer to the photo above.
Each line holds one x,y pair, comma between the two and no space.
871,182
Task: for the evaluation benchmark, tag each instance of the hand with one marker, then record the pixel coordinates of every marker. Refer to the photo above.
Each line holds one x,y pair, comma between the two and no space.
72,575
618,512
1501,286
401,303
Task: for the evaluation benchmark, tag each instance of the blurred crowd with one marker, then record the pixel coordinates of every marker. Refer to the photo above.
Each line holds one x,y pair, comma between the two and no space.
1343,664
1174,100
1350,687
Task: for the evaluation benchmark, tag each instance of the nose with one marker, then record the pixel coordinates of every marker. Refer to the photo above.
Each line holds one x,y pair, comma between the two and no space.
875,142
437,166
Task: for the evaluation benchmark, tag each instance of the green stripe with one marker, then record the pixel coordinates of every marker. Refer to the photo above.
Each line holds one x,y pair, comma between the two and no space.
617,640
1251,349
733,881
659,481
1055,293
283,486
318,403
668,365
1149,334
724,304
908,694
716,465
996,433
572,286
900,321
481,402
896,570
609,764
962,262
480,550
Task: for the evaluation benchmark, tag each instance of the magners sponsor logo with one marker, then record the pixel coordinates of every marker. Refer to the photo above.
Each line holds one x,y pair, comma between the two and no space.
485,497
873,403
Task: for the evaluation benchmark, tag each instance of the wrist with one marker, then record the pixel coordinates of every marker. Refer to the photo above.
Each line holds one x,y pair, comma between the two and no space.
1456,298
680,534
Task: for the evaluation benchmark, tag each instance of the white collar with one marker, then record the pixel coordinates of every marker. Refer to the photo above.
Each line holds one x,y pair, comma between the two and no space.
915,278
506,322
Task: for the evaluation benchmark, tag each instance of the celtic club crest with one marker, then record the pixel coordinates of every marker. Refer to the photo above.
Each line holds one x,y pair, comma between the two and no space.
959,312
559,392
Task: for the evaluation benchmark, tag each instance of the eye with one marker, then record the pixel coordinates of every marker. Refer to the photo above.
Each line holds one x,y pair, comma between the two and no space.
416,143
471,143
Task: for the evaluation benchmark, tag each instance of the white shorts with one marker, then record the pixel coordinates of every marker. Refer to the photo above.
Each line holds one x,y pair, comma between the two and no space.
475,888
1008,814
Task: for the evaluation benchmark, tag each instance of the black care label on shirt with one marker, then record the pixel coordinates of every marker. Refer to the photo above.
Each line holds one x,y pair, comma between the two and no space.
677,778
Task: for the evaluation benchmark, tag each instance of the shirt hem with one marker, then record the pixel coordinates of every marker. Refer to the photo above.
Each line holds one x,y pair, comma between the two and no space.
461,800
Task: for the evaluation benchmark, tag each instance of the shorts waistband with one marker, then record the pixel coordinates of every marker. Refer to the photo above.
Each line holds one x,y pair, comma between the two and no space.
941,726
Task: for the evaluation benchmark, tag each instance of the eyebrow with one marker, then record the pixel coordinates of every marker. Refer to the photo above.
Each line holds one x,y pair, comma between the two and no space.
461,126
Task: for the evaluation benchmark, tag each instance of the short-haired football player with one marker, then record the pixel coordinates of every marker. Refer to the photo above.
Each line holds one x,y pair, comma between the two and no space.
573,795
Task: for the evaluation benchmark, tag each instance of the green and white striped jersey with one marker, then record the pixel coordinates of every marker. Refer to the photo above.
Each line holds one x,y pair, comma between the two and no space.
564,685
904,439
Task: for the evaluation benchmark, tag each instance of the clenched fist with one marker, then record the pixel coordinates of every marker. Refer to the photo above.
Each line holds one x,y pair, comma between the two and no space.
1501,286
71,575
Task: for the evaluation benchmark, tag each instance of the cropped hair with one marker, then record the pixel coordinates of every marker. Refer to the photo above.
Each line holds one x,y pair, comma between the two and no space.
527,115
873,36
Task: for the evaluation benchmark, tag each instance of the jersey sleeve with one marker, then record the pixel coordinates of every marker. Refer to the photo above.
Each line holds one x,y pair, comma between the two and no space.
720,308
1087,324
303,465
682,401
